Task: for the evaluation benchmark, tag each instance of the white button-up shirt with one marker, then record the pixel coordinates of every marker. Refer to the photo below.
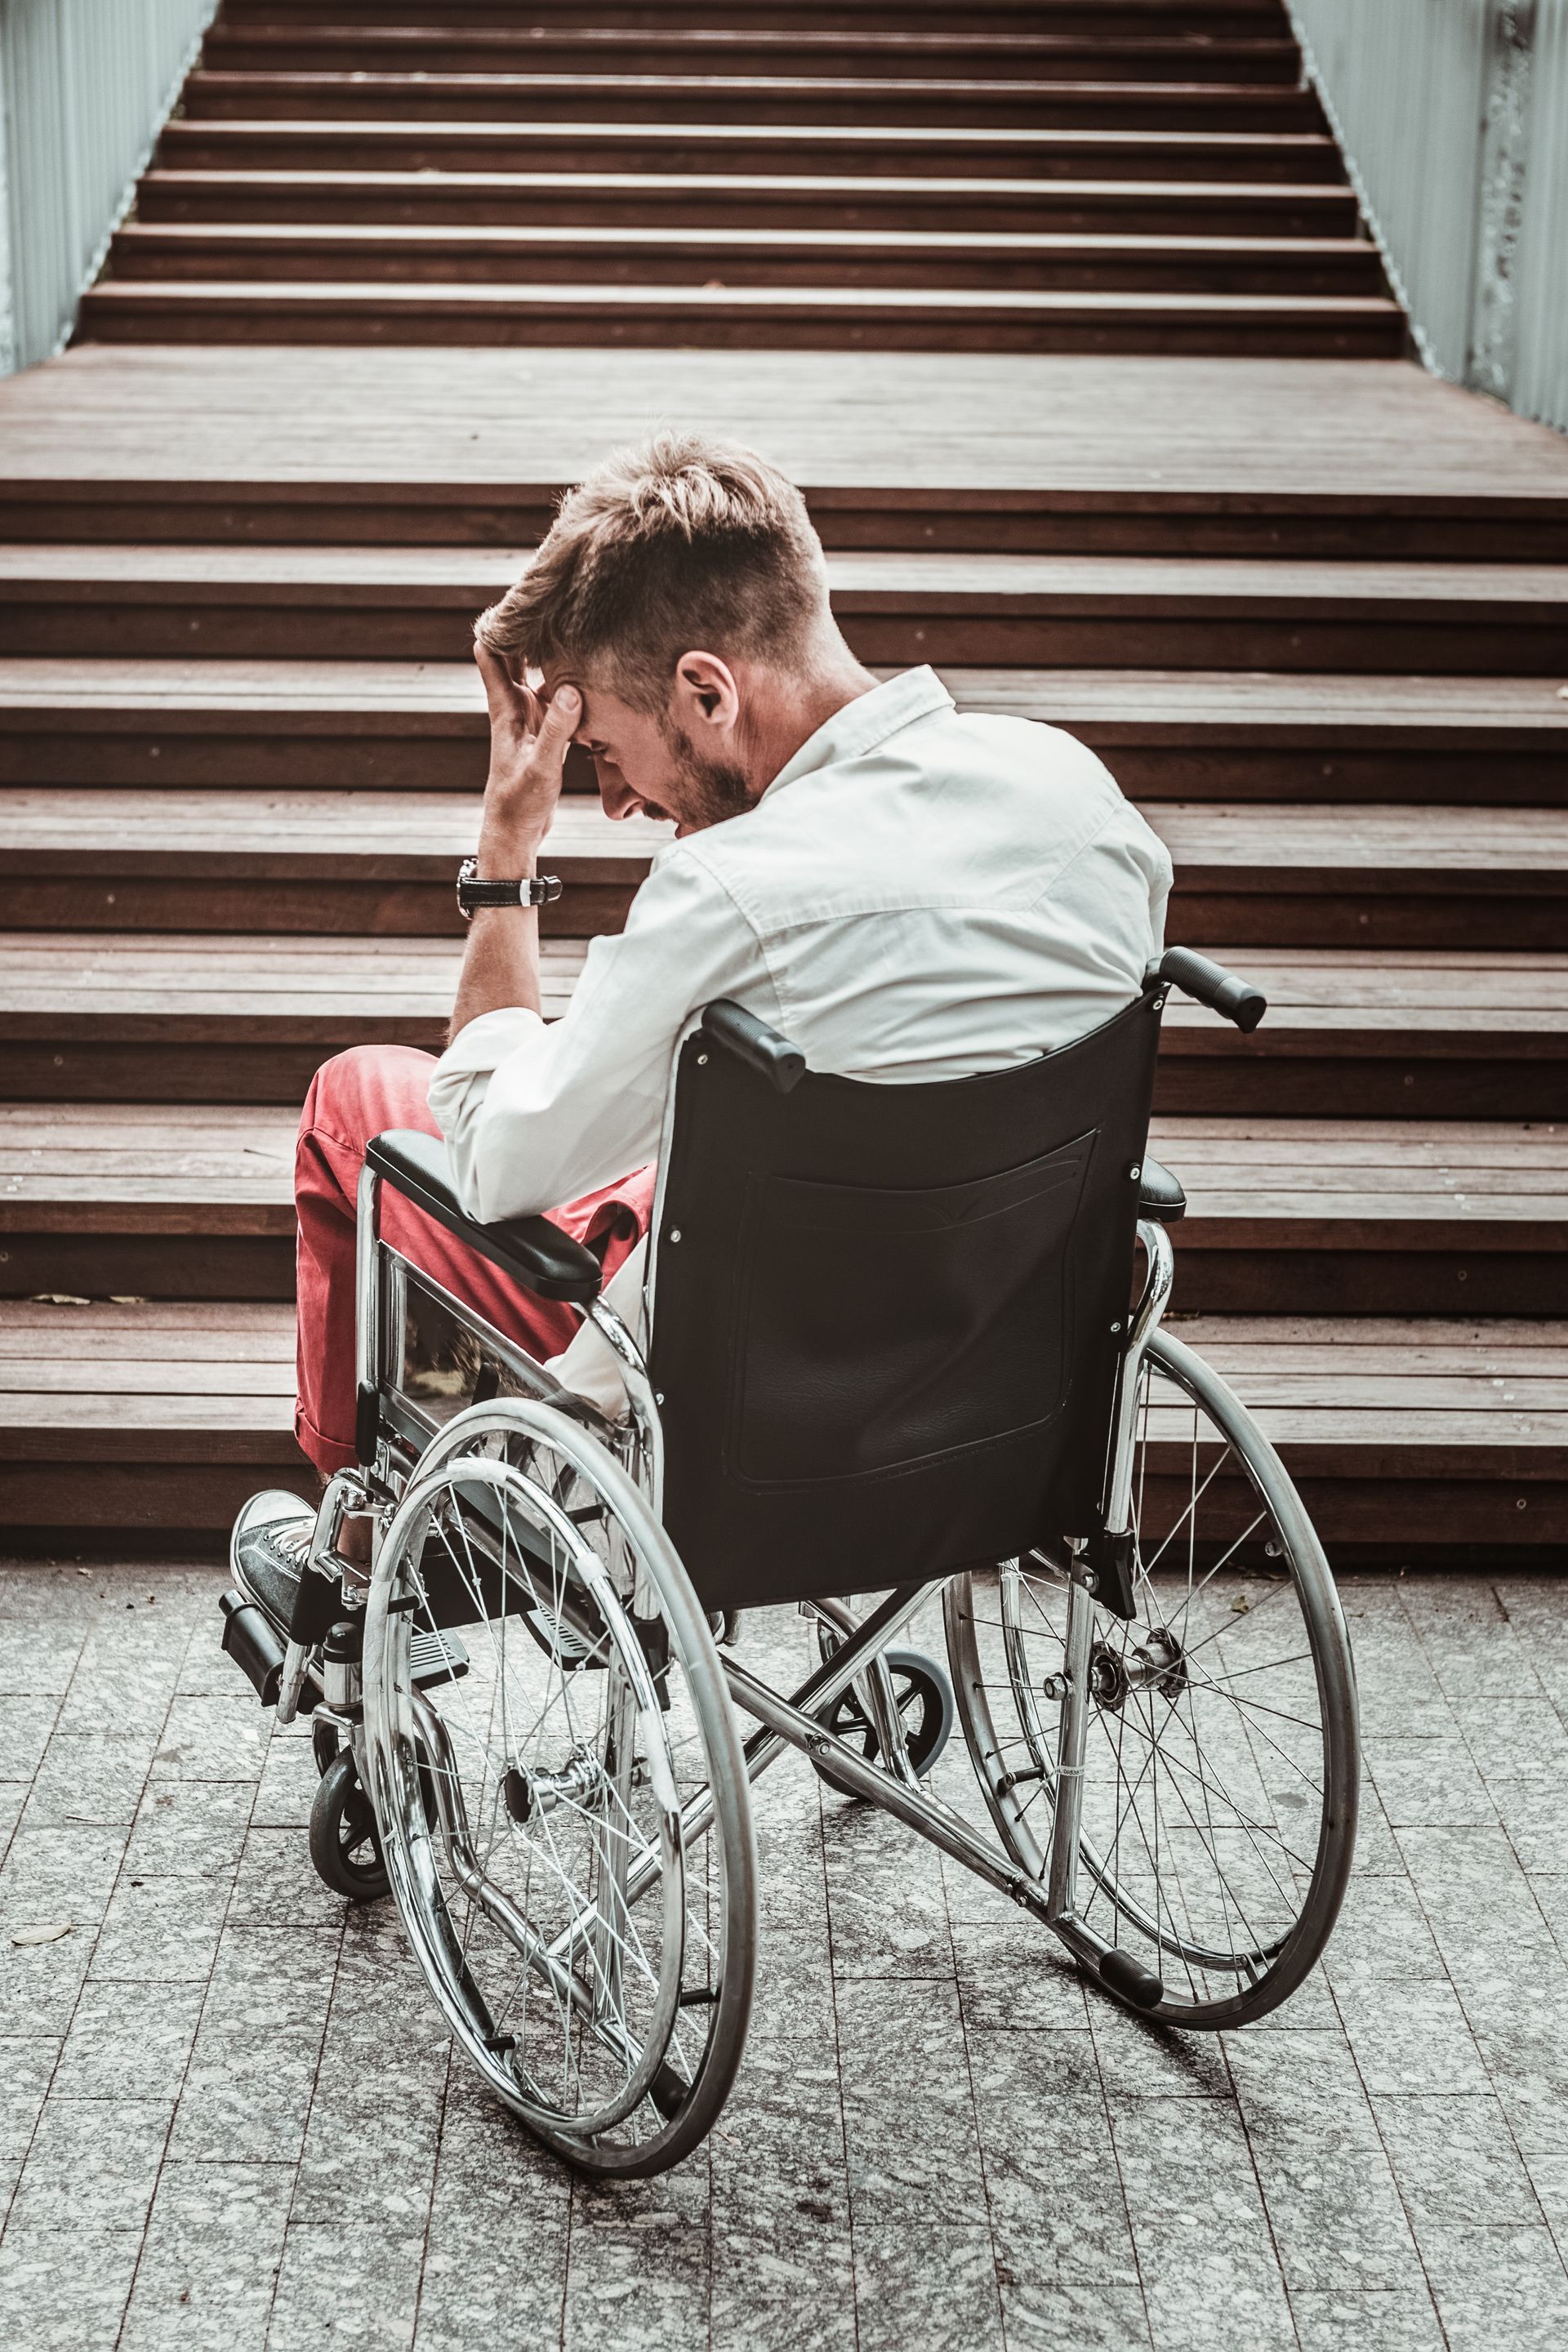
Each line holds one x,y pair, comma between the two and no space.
918,895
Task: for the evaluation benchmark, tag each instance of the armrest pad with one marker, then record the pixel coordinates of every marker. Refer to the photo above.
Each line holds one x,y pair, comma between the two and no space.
1161,1196
534,1251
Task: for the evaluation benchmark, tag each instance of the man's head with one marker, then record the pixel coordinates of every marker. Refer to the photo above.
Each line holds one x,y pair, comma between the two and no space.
682,591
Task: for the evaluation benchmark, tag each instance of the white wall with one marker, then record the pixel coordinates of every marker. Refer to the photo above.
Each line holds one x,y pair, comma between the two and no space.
85,86
1453,115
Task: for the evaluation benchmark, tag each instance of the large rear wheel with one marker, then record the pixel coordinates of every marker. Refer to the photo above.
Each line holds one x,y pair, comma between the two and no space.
1221,1764
595,1965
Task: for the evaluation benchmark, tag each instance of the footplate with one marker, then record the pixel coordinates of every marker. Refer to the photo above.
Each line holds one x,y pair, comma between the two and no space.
435,1658
252,1641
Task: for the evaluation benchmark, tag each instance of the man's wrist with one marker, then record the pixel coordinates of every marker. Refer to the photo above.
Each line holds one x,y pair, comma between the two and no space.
504,857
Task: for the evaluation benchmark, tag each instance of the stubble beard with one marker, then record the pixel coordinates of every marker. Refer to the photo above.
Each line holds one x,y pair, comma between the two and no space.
711,790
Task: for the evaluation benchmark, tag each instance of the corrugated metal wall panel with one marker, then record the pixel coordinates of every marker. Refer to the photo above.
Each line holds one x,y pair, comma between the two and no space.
1454,117
1540,365
85,86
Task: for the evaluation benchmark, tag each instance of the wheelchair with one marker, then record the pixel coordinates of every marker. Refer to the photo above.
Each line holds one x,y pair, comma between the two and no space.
897,1351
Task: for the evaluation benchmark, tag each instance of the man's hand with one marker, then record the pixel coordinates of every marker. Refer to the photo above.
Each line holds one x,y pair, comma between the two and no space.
528,752
528,741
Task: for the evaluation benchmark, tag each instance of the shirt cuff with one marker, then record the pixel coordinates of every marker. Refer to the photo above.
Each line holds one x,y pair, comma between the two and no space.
484,1045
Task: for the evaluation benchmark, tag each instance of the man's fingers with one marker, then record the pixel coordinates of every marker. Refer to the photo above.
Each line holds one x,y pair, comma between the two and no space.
562,714
505,697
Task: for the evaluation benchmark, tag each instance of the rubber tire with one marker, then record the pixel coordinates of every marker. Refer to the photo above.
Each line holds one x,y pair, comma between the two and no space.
925,1750
339,1799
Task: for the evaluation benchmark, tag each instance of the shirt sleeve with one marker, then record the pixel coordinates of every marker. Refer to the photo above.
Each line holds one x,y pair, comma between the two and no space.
1160,881
535,1114
589,1364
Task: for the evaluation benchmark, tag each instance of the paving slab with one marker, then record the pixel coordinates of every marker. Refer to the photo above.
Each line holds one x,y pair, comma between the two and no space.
225,2085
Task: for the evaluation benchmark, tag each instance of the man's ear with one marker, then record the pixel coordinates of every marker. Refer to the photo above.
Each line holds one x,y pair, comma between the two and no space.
706,690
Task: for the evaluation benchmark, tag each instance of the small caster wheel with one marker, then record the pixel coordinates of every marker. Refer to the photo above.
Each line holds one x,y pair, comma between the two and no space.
323,1744
924,1698
344,1845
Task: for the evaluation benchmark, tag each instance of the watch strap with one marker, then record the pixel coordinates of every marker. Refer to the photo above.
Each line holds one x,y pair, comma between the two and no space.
523,891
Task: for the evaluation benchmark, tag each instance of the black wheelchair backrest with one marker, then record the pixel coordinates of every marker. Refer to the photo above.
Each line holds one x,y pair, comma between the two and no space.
886,1319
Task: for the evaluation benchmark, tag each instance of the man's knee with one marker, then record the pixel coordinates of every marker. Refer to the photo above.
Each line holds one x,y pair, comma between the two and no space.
360,1093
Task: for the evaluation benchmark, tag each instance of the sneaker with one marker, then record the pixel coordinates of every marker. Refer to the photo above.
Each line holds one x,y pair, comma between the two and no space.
268,1550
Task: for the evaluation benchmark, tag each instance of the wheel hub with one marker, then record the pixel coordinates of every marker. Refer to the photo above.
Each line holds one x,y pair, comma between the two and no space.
528,1795
1157,1665
1160,1664
1108,1682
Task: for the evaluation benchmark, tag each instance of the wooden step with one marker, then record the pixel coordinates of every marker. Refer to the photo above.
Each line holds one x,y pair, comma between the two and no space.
1408,1440
1113,104
1143,454
1392,1034
659,255
112,1198
1166,735
145,1424
1284,1216
148,1422
1368,1217
193,1017
815,317
1199,21
1366,877
1145,55
382,864
349,863
418,603
286,724
592,143
1244,736
745,200
1421,1033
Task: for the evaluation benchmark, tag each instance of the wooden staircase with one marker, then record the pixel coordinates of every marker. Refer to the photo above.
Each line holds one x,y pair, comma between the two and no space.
1064,318
775,184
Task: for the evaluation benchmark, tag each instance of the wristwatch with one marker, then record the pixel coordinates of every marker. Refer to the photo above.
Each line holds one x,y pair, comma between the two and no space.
528,890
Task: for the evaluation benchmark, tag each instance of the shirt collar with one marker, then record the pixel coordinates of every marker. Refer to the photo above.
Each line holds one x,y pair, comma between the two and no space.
866,722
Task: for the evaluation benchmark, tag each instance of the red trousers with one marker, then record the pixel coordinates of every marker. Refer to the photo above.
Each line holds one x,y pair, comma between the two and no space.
351,1098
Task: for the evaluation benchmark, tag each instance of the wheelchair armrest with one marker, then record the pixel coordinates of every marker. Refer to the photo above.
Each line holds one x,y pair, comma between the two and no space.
730,1024
1161,1196
531,1249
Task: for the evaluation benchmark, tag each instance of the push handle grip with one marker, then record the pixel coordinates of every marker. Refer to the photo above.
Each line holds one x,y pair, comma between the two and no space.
1209,983
730,1024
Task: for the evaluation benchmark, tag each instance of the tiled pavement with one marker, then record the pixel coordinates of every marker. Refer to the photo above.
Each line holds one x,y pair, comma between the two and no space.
227,2119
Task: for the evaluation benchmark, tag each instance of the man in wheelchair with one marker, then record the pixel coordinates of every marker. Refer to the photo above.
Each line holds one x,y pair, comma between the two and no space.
870,1063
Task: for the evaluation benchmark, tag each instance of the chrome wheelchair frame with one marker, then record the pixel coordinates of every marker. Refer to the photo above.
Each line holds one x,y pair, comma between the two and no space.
381,1729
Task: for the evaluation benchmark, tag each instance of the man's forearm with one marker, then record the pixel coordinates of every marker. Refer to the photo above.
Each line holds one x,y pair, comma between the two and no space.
500,966
528,749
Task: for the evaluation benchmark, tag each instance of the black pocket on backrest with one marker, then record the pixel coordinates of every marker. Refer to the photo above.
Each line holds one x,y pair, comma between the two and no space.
877,1329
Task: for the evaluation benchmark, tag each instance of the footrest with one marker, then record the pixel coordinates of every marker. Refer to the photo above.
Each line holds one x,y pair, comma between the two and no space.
253,1642
435,1658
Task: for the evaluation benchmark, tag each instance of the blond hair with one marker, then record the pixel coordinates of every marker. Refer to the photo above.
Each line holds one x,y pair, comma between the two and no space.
681,544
